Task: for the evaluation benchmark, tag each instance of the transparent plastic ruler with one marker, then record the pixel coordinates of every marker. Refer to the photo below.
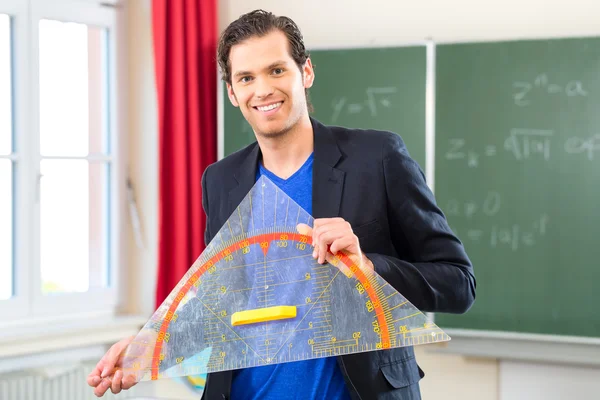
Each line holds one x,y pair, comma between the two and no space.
256,296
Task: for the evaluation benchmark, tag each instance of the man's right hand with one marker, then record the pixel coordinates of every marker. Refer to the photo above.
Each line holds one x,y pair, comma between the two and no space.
109,373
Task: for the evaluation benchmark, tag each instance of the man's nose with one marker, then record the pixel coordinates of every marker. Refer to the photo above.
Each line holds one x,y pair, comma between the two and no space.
263,88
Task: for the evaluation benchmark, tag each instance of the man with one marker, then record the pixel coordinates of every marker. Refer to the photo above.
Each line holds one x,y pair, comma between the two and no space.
368,198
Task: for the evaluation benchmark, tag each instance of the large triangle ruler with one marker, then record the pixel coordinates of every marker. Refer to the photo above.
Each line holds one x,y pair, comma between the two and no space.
256,296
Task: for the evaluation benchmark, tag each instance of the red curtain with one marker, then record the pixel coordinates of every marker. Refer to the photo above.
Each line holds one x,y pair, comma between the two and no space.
185,41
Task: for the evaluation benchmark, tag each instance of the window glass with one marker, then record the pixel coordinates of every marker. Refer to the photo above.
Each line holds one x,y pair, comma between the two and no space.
73,89
74,225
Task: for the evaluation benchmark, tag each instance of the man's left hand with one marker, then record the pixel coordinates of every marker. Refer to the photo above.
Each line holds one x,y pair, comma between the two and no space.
335,235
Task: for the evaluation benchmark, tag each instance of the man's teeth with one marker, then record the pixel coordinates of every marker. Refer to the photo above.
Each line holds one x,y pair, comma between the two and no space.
269,108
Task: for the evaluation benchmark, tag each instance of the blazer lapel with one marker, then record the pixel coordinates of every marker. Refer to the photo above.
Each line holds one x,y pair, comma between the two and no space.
328,181
245,177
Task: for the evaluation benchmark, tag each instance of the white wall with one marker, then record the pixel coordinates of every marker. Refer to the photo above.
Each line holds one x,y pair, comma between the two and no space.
346,23
542,382
334,23
143,156
143,170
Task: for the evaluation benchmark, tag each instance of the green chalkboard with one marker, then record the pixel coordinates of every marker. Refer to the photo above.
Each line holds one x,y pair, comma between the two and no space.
517,172
375,88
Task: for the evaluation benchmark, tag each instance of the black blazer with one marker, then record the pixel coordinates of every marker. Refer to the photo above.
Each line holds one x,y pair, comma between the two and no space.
368,178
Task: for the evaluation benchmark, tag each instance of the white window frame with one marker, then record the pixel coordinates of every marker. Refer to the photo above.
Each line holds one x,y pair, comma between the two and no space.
29,304
17,306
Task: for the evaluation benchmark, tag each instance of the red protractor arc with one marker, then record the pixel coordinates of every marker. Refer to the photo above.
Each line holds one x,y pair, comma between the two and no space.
265,240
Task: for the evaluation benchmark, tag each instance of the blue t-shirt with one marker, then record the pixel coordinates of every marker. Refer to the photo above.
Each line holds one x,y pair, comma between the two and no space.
311,379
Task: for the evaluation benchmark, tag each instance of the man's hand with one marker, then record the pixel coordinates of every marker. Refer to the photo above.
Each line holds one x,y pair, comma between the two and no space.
115,371
335,235
104,376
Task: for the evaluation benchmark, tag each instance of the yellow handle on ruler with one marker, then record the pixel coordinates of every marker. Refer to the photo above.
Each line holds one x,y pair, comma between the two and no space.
262,315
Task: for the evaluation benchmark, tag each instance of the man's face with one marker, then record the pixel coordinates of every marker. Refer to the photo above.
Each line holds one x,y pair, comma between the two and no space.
267,84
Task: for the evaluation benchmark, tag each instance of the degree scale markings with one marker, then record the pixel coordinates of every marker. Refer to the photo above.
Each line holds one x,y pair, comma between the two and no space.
242,242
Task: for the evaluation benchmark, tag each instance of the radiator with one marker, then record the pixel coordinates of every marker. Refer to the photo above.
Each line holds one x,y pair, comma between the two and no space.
66,385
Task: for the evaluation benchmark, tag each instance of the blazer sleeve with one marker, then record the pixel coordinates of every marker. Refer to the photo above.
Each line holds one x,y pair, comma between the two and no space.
439,276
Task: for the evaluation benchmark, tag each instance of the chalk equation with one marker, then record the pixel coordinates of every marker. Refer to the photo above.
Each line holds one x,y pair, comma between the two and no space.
508,236
375,99
490,206
588,146
457,151
542,85
524,144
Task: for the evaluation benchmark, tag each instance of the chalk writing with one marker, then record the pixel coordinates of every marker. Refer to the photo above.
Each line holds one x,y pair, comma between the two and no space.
522,91
456,152
587,146
517,235
523,143
376,97
510,236
489,207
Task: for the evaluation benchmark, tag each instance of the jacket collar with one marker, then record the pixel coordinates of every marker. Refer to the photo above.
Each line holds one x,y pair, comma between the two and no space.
328,181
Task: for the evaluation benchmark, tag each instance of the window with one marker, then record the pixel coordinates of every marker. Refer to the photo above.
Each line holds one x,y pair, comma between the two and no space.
61,171
75,157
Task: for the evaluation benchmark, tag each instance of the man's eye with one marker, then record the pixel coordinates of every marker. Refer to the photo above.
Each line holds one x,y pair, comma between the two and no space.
245,79
278,71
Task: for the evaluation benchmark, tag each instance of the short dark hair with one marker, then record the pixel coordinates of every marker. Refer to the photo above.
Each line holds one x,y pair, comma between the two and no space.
260,23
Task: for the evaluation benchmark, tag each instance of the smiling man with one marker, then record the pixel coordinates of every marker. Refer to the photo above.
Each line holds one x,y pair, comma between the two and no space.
369,199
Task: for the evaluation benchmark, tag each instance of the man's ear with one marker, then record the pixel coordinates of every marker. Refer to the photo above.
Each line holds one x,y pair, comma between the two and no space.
308,73
231,96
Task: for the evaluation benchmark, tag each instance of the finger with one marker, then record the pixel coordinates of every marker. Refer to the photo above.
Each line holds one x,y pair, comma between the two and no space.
326,221
349,241
102,387
340,265
342,243
115,386
110,359
304,229
322,246
337,225
108,368
128,382
327,238
93,379
323,249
